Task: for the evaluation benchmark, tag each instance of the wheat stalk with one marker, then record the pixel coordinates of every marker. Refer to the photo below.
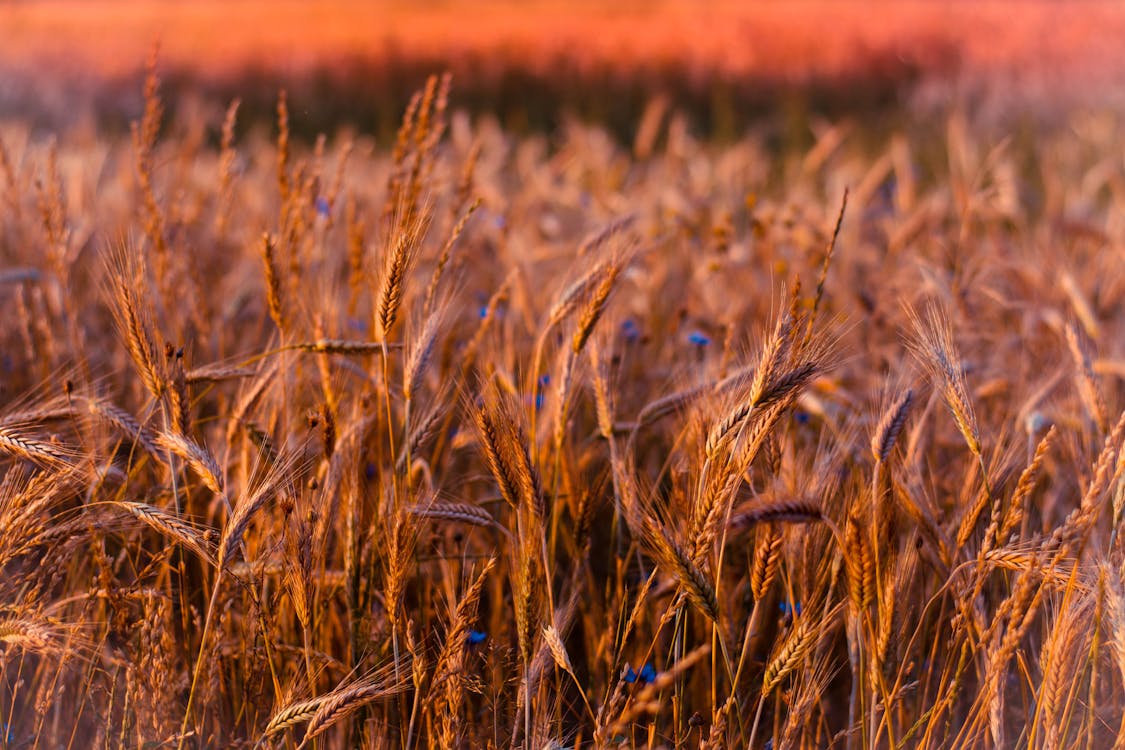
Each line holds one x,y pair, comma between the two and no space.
172,526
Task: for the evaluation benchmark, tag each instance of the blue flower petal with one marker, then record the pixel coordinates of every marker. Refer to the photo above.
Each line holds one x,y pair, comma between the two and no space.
630,675
322,207
698,338
788,608
648,674
476,637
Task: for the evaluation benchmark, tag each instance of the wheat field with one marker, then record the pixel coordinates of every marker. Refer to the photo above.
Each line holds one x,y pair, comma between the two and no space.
476,440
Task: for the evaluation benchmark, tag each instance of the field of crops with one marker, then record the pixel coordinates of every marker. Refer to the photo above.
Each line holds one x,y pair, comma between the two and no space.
476,439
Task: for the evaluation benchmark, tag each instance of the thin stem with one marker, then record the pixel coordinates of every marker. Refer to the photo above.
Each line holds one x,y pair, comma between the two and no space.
199,659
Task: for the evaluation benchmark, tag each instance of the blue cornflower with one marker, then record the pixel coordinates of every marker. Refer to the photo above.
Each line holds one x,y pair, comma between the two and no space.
323,207
540,385
802,417
630,330
476,637
788,608
646,676
698,338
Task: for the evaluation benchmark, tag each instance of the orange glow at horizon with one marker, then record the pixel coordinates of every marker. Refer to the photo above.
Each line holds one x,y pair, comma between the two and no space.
790,41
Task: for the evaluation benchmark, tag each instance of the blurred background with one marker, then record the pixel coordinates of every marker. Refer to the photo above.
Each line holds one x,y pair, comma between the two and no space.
724,65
